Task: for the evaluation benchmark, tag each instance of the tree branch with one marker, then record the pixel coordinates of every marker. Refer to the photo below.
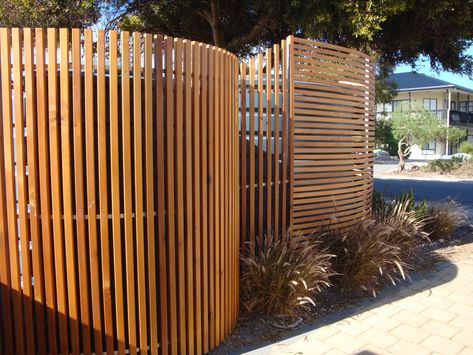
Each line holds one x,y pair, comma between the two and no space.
249,36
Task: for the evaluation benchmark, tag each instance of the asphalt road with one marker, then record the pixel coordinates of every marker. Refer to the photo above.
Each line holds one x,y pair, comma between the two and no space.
460,191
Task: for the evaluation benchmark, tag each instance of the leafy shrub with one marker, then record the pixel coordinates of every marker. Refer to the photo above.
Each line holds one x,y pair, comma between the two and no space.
466,147
442,219
444,166
284,277
365,256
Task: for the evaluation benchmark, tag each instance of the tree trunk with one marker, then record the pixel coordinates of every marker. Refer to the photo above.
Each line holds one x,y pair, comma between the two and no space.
215,23
400,152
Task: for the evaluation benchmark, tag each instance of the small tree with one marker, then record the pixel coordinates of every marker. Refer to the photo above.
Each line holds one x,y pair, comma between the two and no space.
414,125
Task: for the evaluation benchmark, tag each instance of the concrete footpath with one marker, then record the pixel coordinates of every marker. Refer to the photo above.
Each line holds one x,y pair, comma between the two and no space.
431,315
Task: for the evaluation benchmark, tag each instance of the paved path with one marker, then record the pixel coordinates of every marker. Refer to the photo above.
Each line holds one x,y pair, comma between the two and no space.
431,315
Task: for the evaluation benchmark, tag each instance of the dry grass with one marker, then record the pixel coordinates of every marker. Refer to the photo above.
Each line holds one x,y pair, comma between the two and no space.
442,219
466,169
285,277
405,223
366,256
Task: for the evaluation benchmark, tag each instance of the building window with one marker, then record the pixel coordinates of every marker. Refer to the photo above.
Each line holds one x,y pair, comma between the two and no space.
397,103
388,107
431,146
466,106
430,104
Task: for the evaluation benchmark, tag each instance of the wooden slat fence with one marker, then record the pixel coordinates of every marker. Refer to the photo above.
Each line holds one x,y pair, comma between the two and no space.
135,167
332,125
306,139
119,217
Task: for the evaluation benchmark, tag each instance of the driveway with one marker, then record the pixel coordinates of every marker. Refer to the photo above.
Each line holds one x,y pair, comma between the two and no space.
460,191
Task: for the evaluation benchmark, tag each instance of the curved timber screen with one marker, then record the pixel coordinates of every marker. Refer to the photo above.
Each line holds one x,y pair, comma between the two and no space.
119,224
332,132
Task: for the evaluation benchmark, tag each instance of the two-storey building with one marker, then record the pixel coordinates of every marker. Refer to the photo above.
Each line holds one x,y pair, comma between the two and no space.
452,103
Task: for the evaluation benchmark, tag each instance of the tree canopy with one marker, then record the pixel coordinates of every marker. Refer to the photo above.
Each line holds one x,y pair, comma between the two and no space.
393,31
49,13
396,31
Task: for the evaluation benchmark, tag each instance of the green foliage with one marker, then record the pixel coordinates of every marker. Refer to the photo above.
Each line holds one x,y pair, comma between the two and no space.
466,147
444,28
442,219
384,138
285,277
49,13
444,166
365,256
415,125
412,125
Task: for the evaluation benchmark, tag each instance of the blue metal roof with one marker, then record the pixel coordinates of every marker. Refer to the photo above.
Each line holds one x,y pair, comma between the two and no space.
411,81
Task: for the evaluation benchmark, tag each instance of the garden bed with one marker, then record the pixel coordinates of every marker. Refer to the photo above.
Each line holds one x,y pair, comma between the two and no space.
258,330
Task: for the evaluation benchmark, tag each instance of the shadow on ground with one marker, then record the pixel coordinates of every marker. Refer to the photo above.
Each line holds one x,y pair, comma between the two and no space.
442,272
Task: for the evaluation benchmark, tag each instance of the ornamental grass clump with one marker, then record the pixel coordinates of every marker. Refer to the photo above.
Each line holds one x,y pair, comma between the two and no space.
365,257
404,221
442,219
284,277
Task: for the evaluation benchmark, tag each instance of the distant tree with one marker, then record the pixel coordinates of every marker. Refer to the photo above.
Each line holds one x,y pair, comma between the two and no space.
49,13
414,125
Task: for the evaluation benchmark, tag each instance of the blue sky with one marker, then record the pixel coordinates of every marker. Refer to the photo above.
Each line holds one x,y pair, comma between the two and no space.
423,66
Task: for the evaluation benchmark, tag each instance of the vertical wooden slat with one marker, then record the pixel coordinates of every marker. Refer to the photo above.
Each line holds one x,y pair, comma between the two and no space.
238,251
170,195
252,166
79,190
161,177
20,154
197,207
204,193
179,168
45,195
290,44
277,81
221,164
217,207
228,176
234,205
140,245
5,275
56,189
260,150
67,190
33,189
115,191
127,191
268,143
150,227
10,187
211,189
284,139
243,129
103,192
91,189
188,194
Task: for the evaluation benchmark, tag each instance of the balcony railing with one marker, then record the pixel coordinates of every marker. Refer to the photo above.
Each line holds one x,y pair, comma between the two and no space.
459,118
